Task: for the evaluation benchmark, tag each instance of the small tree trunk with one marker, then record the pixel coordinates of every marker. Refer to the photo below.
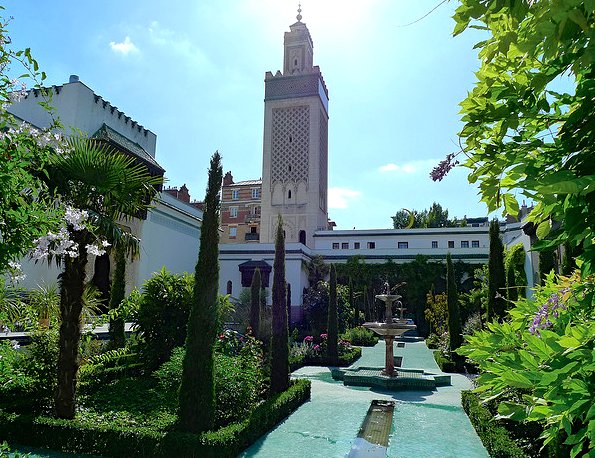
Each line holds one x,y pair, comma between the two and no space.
454,317
72,284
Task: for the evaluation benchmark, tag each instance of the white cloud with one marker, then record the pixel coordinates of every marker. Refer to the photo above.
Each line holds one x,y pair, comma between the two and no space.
340,197
124,48
409,167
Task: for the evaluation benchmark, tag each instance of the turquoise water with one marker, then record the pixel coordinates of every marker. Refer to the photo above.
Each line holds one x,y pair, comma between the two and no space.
425,424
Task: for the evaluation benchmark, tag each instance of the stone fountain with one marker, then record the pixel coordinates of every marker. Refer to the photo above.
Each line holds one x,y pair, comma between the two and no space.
391,328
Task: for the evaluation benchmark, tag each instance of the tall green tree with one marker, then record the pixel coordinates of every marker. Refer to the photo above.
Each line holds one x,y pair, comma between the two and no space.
109,187
496,274
280,331
118,293
197,391
452,299
516,278
529,121
255,303
332,322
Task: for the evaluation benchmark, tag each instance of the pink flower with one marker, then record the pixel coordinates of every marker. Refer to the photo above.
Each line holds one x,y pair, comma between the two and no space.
316,347
323,336
308,339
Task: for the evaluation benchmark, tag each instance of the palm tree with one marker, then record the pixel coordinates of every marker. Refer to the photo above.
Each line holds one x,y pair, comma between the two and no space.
111,188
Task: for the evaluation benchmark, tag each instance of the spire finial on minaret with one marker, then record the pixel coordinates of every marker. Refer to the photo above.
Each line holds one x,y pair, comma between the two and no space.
299,15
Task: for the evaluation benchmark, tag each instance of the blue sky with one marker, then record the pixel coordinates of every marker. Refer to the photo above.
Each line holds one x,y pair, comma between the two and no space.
193,72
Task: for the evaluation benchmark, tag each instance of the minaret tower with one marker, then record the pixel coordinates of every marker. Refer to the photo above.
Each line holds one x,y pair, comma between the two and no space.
295,147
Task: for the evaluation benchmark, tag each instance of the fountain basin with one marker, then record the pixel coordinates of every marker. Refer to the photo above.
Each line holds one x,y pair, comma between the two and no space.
390,329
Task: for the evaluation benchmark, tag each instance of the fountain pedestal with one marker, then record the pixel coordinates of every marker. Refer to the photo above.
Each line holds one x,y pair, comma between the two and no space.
389,363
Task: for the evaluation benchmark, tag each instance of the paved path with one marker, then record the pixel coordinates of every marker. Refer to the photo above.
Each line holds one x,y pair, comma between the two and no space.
426,423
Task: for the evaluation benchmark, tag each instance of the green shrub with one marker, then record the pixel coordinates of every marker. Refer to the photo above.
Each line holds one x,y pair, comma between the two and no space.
495,437
162,316
103,437
239,382
360,337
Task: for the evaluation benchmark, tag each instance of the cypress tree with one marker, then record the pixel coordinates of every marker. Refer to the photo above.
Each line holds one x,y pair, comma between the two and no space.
288,293
280,331
547,262
197,391
366,304
353,304
116,324
255,303
332,323
452,298
496,274
511,288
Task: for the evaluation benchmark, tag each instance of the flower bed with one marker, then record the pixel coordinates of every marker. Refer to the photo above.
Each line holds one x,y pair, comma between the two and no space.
312,352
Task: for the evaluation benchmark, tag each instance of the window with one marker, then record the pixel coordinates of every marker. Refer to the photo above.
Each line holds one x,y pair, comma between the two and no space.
451,244
289,194
434,243
345,246
229,287
233,231
233,212
302,237
255,193
474,243
256,210
402,245
464,243
356,245
235,194
335,245
371,245
253,229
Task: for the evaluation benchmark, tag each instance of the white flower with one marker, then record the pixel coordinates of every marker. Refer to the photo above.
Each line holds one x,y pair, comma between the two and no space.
105,244
95,250
14,265
76,218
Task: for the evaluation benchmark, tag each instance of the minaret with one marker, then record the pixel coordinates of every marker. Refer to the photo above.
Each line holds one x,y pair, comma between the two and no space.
295,146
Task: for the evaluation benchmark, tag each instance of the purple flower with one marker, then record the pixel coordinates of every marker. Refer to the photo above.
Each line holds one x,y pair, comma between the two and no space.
323,336
316,347
541,320
308,339
443,167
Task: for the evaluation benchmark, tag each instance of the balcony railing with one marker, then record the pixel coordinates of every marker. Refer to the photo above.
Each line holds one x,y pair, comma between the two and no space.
250,218
250,237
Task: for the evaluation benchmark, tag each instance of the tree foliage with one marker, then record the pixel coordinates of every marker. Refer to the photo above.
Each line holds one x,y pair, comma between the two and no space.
26,211
255,303
496,275
452,300
529,120
516,278
435,216
280,331
197,391
332,322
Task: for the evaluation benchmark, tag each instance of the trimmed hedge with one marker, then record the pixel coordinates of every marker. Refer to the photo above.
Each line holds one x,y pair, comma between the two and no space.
495,437
445,365
76,436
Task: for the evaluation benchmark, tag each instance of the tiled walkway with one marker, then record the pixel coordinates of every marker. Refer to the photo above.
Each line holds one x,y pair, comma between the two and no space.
426,423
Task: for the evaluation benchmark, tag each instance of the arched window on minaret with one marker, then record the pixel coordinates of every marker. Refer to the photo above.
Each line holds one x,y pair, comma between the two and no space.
289,194
303,237
229,287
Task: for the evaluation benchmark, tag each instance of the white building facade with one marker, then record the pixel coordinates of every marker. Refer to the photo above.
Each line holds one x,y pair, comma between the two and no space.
170,233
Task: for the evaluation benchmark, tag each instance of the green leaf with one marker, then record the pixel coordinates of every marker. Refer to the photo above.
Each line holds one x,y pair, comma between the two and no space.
544,229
